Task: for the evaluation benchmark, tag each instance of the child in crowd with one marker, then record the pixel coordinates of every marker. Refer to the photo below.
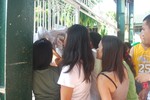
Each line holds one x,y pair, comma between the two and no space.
45,76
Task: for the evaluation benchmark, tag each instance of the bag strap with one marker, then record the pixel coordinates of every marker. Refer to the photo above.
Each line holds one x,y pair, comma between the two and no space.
109,79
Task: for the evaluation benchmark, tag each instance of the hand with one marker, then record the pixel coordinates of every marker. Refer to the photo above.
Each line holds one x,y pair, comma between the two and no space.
143,77
143,94
56,59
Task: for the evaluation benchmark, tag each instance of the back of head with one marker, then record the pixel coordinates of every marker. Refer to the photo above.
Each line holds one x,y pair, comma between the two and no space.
147,19
95,39
77,41
128,59
42,54
128,45
112,58
77,49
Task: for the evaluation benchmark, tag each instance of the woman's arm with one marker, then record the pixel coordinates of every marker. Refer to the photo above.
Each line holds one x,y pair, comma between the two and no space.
143,77
103,89
66,92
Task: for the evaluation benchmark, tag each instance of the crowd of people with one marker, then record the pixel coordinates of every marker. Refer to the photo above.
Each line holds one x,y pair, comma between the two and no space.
77,64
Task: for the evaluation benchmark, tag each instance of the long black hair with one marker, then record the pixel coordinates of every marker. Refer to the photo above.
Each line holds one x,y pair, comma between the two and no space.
112,57
78,51
128,59
95,39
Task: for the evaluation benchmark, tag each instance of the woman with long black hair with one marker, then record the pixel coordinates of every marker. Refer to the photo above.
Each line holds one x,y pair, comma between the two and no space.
77,65
113,81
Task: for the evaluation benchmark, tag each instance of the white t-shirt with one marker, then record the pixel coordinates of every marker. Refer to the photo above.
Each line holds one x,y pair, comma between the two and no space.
74,80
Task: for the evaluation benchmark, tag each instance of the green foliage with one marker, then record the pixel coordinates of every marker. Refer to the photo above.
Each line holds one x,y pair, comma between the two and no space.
87,21
94,1
91,23
111,14
103,30
69,12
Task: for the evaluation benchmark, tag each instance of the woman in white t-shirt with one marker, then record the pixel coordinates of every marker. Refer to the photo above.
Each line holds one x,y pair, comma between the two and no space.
77,65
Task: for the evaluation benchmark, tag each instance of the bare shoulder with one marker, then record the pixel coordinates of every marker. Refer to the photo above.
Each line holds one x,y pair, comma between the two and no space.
103,87
101,79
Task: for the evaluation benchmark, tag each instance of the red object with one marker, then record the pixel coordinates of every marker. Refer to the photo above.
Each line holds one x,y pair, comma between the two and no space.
145,85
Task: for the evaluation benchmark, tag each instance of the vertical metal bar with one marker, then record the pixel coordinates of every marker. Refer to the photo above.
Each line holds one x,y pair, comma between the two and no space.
38,21
3,23
64,17
58,14
121,18
34,16
40,14
45,20
61,15
49,15
71,18
53,14
82,1
77,15
46,15
73,21
85,2
131,31
43,13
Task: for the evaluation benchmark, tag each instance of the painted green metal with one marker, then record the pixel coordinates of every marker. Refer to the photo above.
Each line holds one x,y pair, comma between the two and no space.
131,30
121,18
16,28
2,46
1,96
2,40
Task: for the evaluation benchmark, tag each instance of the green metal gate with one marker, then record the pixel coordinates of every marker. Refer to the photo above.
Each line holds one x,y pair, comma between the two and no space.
16,38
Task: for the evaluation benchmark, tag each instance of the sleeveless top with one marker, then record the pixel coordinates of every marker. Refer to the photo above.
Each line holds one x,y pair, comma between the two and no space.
132,95
121,90
141,59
